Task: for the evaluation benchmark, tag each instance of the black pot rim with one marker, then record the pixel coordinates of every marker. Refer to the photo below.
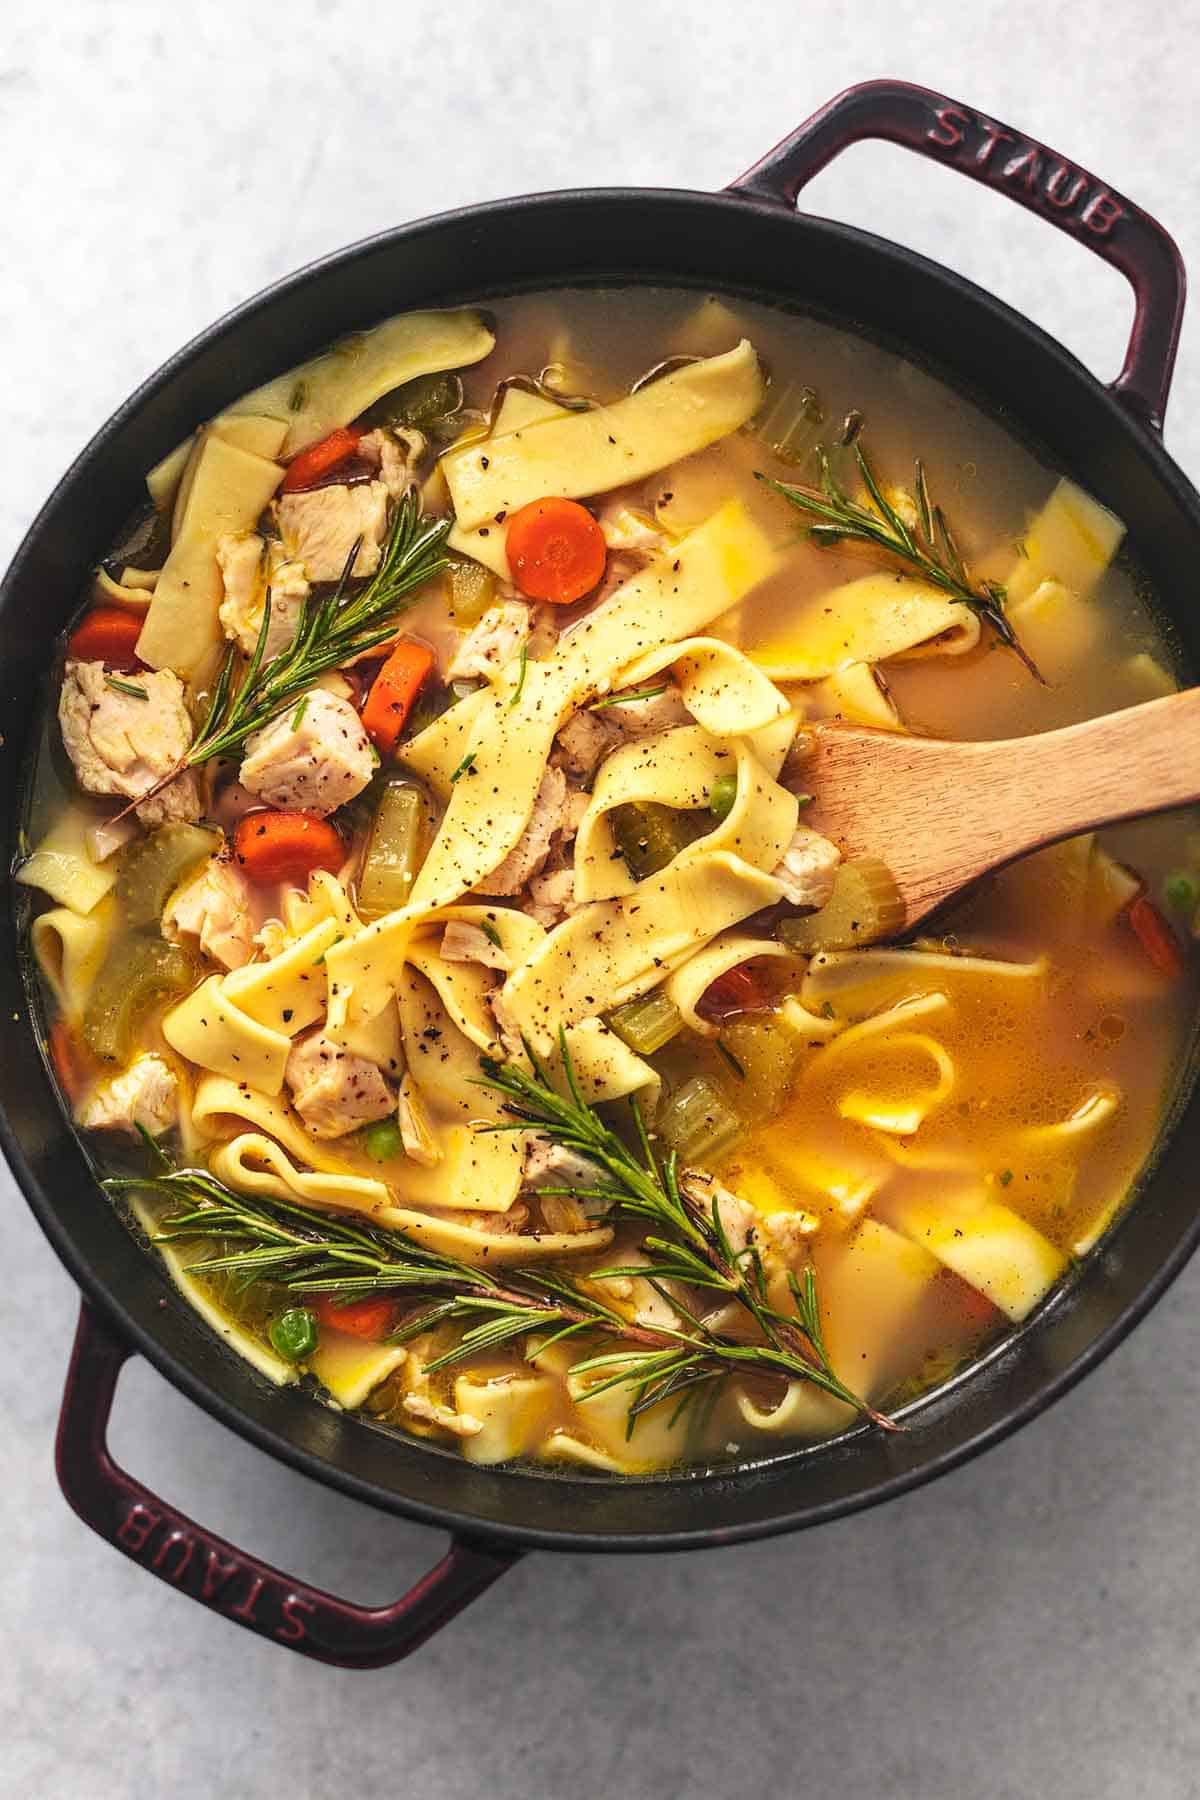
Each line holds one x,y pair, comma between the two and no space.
819,232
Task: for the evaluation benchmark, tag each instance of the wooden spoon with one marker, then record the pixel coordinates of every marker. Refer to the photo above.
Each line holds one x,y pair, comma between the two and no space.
942,814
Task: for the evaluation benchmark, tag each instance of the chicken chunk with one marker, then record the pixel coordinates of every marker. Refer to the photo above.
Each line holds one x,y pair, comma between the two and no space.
145,1097
788,1233
312,758
642,718
549,1165
432,1412
397,456
809,865
584,741
499,637
466,943
739,1220
122,742
416,1128
212,909
248,567
319,528
528,855
625,528
551,897
333,1090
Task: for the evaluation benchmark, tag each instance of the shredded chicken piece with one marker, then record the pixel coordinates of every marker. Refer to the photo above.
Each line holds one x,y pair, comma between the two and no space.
122,743
584,741
789,1233
739,1219
144,1097
528,855
622,566
319,528
551,897
625,528
466,943
549,1165
809,865
434,1413
212,909
396,455
333,1090
494,642
248,568
313,757
642,718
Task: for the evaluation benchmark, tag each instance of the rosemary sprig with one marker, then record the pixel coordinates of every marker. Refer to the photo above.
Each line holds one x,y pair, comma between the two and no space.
310,1252
930,549
331,631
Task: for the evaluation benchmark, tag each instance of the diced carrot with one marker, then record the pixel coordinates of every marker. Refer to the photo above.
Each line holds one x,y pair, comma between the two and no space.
392,693
369,1318
1162,947
737,991
311,465
286,846
69,1059
556,550
107,634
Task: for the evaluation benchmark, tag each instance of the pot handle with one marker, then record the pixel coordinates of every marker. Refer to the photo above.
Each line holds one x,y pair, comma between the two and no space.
1038,178
217,1574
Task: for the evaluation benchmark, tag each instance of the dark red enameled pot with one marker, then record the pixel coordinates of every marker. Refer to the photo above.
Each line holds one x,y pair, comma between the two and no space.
747,240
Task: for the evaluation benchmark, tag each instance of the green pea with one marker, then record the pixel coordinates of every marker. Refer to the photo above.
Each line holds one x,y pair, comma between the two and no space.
382,1142
1181,892
722,797
294,1334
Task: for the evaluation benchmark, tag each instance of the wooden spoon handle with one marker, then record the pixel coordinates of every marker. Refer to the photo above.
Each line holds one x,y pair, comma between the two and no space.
967,808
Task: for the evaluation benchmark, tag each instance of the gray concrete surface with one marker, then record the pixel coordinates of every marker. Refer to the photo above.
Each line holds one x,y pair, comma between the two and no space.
1029,1626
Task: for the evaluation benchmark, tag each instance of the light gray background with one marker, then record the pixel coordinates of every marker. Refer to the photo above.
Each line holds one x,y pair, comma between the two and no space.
1028,1627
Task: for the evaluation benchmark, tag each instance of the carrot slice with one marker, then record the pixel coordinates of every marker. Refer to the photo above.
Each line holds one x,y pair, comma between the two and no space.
1162,947
306,469
107,634
737,991
392,693
368,1318
286,846
71,1061
556,550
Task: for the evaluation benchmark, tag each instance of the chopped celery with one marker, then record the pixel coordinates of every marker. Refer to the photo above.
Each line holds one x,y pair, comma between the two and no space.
770,1056
698,1122
151,868
646,1024
650,835
138,971
395,849
865,905
472,589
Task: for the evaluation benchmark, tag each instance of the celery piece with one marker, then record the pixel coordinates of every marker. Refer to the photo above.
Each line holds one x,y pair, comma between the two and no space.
770,1055
138,971
646,1024
865,905
395,849
151,868
698,1122
650,835
472,589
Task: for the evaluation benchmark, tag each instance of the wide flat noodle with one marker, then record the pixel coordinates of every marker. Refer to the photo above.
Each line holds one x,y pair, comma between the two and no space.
488,543
335,387
62,868
679,769
608,446
719,685
615,950
688,985
211,1031
70,948
859,982
1071,541
985,1243
287,993
865,621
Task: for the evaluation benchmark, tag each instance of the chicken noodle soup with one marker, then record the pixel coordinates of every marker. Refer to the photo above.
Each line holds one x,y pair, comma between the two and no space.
437,958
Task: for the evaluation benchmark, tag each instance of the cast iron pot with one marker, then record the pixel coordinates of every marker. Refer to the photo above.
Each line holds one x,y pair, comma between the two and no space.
747,240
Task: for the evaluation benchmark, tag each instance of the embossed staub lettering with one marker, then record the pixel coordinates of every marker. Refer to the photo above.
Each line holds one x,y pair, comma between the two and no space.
1009,161
187,1559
